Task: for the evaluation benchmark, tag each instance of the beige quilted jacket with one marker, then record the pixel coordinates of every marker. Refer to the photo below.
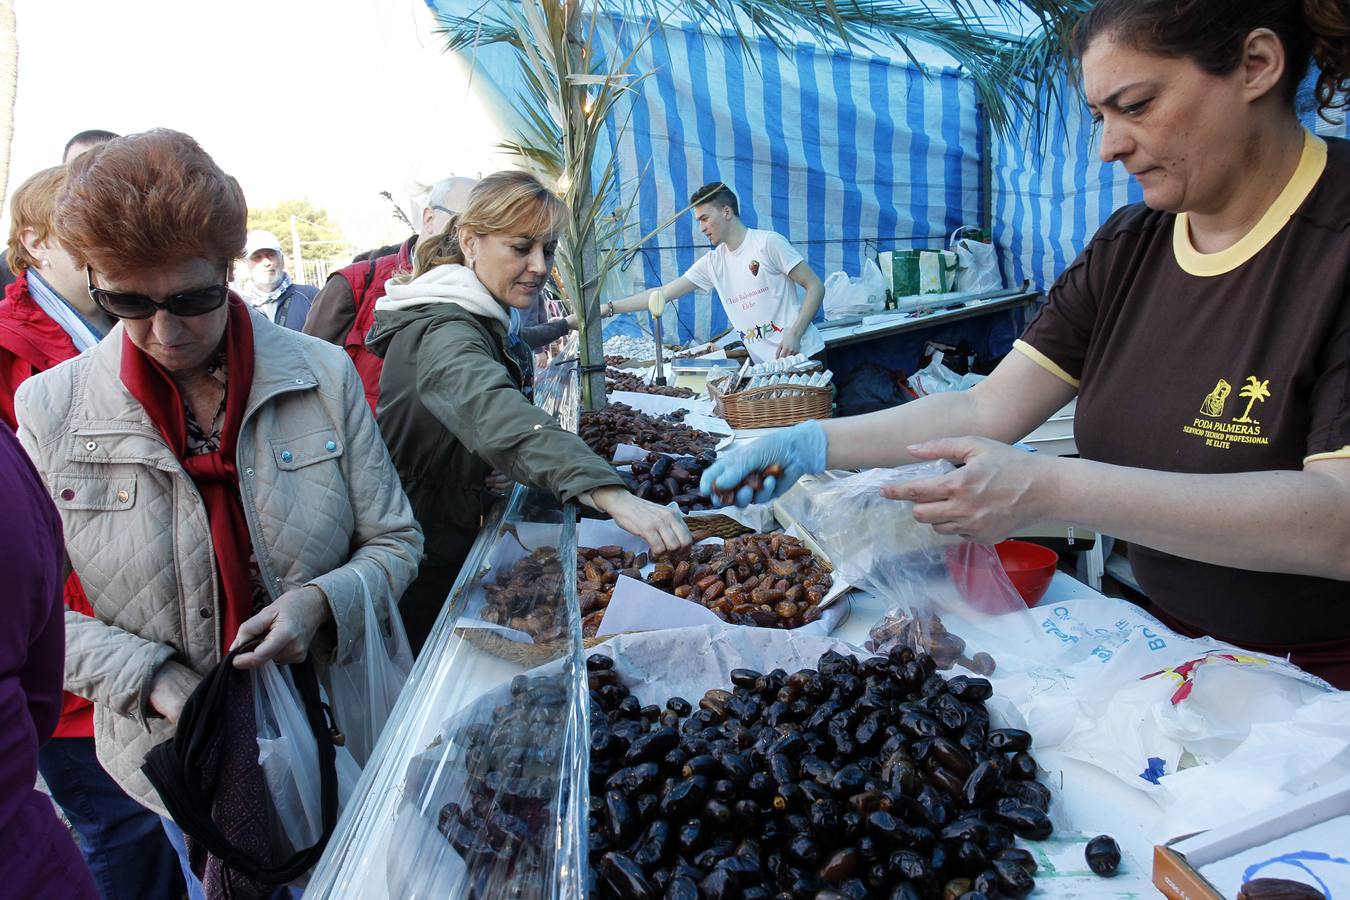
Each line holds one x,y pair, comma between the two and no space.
320,494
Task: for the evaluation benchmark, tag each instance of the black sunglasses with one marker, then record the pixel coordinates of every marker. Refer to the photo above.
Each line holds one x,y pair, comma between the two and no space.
138,306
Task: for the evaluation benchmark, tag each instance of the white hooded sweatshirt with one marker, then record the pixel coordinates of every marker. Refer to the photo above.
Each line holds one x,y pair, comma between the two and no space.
449,284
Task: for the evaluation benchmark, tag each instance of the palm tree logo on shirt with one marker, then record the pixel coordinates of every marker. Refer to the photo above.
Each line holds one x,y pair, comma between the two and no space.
1253,391
1215,400
754,267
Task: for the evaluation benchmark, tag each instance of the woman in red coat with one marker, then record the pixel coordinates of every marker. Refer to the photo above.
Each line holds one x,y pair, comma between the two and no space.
47,317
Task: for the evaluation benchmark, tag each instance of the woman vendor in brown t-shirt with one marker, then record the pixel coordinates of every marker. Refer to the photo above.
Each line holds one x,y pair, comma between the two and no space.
1205,333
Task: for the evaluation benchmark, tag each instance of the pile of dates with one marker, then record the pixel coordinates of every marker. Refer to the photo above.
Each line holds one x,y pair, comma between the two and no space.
618,423
925,633
528,596
661,478
619,380
769,580
597,572
858,778
512,773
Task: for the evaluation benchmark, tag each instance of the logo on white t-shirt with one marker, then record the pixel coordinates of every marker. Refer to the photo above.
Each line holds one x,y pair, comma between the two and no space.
754,267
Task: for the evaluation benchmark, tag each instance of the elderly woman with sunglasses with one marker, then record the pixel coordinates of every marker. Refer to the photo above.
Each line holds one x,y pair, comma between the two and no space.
220,478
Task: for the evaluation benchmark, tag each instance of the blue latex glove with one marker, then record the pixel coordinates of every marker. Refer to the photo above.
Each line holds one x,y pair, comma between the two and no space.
800,450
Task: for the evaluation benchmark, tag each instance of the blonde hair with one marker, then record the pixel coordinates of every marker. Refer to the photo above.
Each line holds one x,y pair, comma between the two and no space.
33,206
517,202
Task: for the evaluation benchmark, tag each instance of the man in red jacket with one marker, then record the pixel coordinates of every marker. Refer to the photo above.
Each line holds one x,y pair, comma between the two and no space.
344,308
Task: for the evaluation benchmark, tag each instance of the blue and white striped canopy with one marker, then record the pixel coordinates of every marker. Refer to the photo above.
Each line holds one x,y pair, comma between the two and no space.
843,153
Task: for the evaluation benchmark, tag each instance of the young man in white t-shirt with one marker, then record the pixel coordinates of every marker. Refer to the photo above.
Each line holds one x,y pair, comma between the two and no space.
756,275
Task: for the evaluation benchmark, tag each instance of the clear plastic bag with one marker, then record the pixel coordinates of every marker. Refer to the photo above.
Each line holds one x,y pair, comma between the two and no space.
876,544
289,757
366,685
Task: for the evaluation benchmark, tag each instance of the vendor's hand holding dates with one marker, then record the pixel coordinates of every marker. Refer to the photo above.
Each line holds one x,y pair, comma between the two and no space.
799,450
997,490
662,528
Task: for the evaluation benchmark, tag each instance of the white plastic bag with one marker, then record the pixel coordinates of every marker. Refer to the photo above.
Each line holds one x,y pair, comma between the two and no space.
863,295
935,378
976,263
289,757
366,685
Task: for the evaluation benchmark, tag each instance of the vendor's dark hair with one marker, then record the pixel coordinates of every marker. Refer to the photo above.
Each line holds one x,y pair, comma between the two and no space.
717,194
1211,34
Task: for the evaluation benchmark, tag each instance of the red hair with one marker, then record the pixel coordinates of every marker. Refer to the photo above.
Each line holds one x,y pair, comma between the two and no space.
148,200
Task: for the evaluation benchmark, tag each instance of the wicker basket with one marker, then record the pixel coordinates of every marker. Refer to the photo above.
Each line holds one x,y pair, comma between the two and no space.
715,526
772,406
522,654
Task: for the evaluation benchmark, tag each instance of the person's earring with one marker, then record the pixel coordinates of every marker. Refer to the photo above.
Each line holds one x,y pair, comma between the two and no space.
44,263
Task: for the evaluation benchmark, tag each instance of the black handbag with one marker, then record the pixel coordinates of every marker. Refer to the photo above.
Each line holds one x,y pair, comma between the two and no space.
186,771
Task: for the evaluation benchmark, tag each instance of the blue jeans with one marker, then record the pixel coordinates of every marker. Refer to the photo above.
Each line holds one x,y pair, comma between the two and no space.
195,891
121,840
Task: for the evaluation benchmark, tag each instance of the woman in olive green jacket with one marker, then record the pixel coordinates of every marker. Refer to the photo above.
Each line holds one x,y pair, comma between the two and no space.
453,393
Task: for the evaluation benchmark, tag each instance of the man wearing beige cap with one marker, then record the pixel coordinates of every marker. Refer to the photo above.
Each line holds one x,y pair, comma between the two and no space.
270,290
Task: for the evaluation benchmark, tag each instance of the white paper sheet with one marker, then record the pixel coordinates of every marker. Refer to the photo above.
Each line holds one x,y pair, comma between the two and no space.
709,423
659,404
628,453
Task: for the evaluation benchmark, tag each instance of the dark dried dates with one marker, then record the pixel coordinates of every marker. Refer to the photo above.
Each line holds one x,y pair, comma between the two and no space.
617,423
807,785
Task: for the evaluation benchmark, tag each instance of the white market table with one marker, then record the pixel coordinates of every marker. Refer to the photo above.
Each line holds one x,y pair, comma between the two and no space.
957,307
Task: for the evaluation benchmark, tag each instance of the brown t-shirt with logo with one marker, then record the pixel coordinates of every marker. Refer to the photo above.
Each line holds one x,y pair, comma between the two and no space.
1236,361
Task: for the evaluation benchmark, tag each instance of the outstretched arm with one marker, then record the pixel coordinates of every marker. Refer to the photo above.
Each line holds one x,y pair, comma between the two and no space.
638,302
1286,521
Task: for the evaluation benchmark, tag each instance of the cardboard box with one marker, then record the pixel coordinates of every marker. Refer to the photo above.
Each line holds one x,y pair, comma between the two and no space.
1322,815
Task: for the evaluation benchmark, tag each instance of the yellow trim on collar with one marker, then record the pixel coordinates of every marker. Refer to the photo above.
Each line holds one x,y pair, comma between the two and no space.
1045,362
1311,165
1343,453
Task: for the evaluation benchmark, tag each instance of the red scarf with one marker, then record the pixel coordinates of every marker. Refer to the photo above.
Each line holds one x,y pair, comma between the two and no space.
214,474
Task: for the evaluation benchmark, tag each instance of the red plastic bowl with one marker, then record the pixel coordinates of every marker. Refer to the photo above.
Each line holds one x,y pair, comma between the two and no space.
1028,566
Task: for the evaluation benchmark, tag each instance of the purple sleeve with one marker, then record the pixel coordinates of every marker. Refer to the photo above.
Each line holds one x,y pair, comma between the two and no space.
32,629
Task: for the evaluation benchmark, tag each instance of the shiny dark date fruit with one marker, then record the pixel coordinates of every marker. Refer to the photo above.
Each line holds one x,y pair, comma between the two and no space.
1277,889
878,777
1103,855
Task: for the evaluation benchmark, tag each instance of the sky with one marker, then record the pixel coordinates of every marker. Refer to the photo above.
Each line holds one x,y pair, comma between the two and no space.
333,100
